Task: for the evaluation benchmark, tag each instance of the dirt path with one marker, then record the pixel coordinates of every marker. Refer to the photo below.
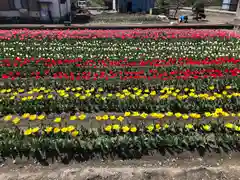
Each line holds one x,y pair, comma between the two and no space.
183,167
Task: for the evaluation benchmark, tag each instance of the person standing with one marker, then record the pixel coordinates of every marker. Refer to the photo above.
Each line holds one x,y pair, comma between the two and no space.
198,10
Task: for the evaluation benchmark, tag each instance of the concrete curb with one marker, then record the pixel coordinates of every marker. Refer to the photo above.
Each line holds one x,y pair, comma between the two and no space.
118,26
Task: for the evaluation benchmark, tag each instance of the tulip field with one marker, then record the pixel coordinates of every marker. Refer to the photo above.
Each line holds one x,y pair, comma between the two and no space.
97,94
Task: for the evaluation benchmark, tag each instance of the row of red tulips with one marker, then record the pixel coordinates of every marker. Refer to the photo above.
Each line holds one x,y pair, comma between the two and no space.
79,62
124,75
123,34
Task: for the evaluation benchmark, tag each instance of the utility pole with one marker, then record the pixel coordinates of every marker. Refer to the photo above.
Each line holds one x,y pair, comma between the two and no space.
237,18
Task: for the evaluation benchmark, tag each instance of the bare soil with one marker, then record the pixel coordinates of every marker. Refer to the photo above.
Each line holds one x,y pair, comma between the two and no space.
183,167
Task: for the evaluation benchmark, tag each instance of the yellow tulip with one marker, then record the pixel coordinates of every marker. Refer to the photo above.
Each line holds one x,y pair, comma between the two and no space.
125,91
20,90
120,118
185,116
169,114
25,115
178,115
122,96
105,117
97,95
70,128
24,99
138,93
88,94
103,98
224,92
16,120
50,96
66,95
160,115
153,93
73,118
211,87
144,115
189,126
150,128
64,130
116,127
108,128
133,96
98,118
30,92
75,133
110,95
146,91
77,95
166,126
207,127
237,128
229,125
48,129
39,97
135,114
57,120
41,117
126,114
125,129
56,130
228,87
225,114
133,129
82,97
29,97
207,114
219,110
8,118
215,115
36,129
79,88
27,132
100,89
12,97
32,117
154,115
112,117
82,117
157,126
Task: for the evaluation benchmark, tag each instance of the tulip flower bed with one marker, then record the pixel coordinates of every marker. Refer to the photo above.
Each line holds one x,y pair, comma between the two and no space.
121,93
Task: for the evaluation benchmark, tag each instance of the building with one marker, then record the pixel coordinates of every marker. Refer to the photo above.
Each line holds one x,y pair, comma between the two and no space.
42,10
230,5
131,5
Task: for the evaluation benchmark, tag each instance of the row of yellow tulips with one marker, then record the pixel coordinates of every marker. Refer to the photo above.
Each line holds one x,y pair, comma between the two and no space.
127,115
